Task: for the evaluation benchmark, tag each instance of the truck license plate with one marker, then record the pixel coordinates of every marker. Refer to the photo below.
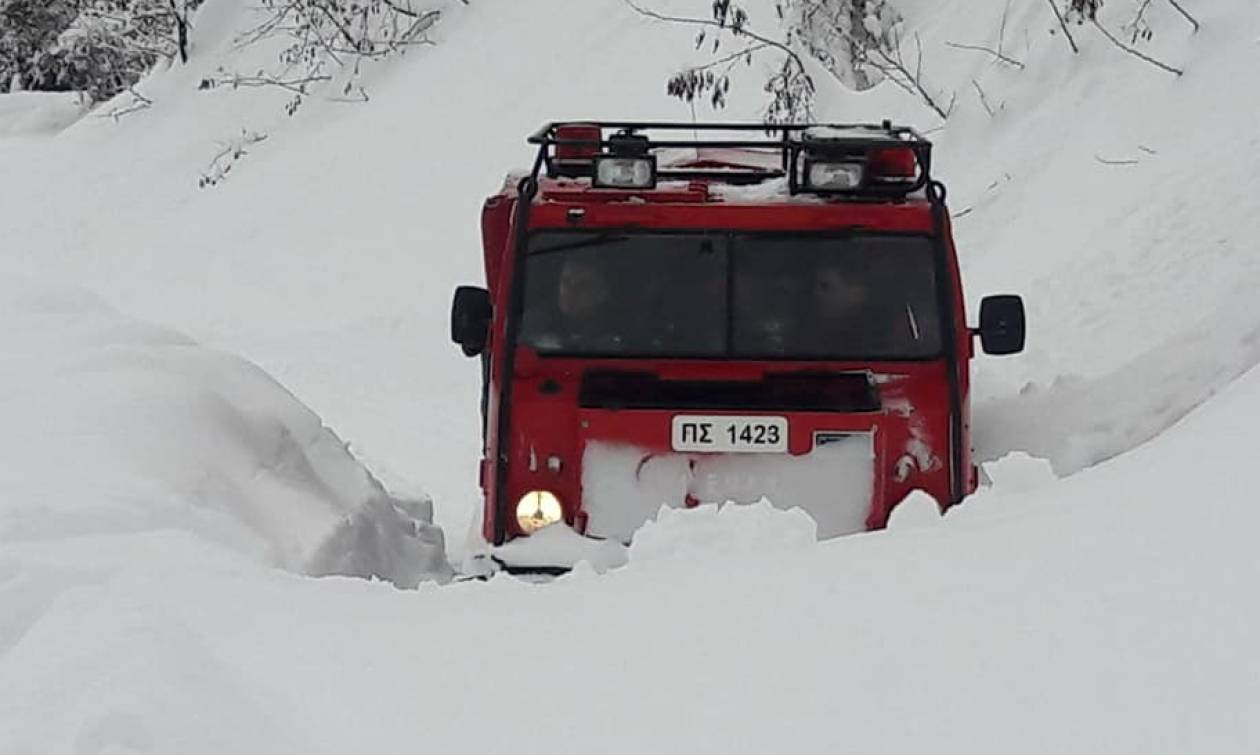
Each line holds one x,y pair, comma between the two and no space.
726,434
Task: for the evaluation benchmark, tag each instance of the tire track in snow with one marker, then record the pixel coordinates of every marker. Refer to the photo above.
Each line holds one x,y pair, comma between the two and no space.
1077,422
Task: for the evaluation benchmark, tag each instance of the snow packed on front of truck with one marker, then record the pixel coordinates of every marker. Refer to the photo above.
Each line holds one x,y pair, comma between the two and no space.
685,314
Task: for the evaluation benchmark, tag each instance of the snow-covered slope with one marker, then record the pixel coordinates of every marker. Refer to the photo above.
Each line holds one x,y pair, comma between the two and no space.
151,484
1123,208
122,430
1118,199
1111,612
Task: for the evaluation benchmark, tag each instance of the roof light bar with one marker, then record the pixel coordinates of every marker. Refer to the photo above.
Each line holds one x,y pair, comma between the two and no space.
870,160
612,172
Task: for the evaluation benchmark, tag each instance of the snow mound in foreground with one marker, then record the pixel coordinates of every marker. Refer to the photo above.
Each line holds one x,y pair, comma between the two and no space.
561,546
720,533
120,428
673,536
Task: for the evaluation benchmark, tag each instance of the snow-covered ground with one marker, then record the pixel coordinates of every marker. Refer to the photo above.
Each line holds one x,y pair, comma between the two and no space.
39,113
163,501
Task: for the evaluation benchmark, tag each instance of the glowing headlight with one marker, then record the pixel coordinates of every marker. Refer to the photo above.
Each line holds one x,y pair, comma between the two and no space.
537,510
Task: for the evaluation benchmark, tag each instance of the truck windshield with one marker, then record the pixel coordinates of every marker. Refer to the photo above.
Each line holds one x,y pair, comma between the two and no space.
731,296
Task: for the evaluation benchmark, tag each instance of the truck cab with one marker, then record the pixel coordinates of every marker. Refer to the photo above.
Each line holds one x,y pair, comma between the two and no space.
678,314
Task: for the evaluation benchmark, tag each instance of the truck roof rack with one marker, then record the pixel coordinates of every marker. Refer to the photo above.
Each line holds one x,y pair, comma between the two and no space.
877,160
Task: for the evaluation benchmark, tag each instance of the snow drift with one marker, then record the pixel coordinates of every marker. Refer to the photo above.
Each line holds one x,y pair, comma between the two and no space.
120,428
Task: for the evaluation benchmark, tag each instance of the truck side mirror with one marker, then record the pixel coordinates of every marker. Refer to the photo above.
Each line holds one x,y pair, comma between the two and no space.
1002,324
470,319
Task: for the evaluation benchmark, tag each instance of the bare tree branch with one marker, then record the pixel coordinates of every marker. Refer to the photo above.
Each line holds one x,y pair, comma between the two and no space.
739,32
1183,12
794,78
232,150
1136,53
1006,12
734,57
995,53
1063,25
298,85
138,102
983,100
1138,24
1105,161
894,67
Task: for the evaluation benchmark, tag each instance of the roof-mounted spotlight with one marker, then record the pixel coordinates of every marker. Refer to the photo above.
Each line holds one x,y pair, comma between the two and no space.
628,164
824,176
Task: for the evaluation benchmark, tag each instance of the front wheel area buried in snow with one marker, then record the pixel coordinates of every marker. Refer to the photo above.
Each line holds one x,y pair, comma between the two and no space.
626,487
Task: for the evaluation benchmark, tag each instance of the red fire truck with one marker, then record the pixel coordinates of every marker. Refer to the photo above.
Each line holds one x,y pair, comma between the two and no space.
683,313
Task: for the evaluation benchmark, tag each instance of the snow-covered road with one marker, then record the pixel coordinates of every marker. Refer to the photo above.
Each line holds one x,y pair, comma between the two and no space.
163,500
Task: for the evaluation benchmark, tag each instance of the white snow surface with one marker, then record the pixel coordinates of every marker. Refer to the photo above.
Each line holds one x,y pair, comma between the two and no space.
162,502
38,113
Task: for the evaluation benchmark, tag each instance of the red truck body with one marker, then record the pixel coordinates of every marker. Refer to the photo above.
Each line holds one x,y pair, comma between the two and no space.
545,407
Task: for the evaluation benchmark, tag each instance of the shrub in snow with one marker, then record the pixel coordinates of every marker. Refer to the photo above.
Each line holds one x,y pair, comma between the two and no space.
101,47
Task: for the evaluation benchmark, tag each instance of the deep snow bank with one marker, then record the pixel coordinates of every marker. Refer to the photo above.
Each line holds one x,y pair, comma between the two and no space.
1105,613
114,427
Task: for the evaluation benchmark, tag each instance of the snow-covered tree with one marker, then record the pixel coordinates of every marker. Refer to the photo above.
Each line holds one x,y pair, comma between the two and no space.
100,47
27,29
